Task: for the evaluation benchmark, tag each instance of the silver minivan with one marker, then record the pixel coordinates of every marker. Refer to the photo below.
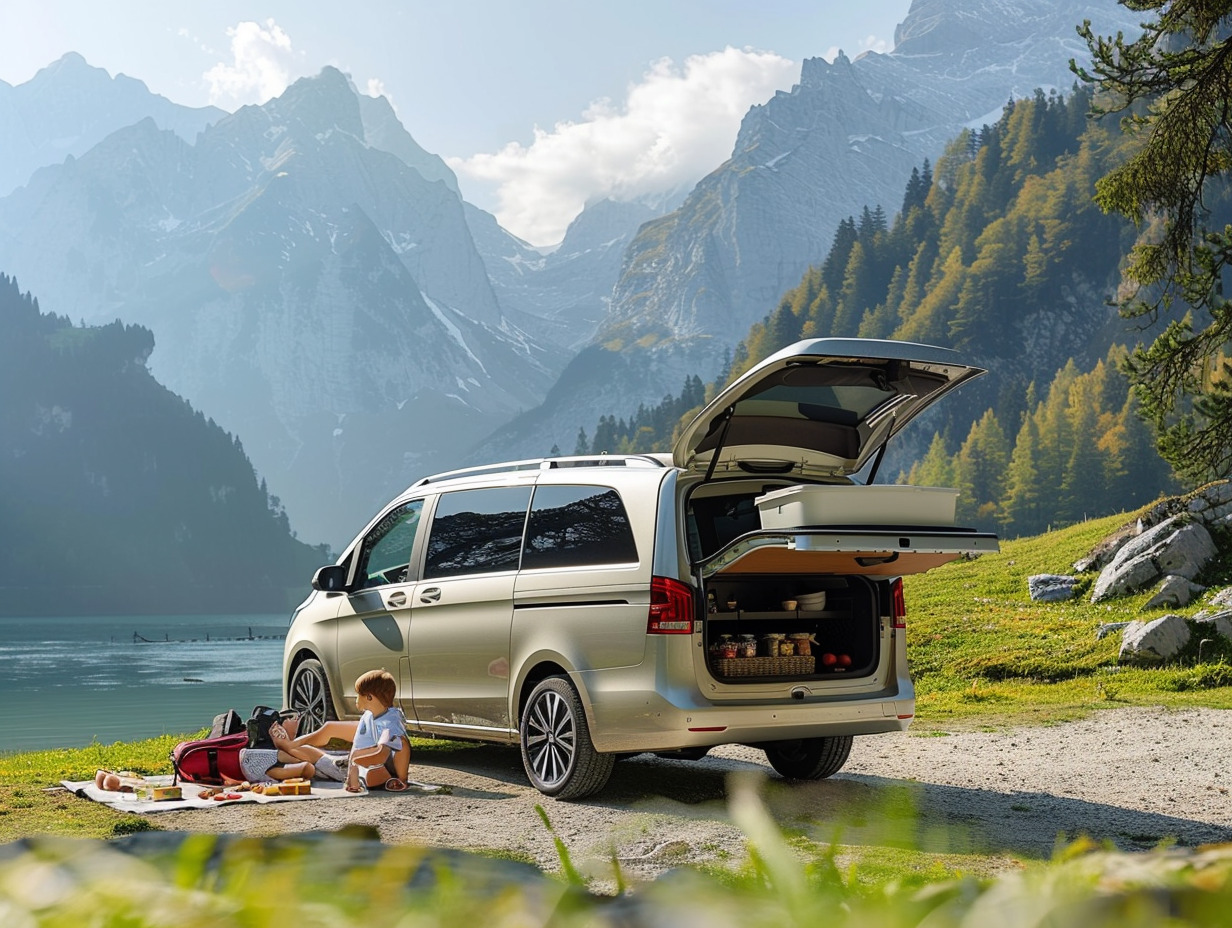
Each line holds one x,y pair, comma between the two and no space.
743,590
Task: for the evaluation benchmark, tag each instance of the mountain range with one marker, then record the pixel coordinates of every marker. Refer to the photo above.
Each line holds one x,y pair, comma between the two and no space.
69,107
845,138
316,283
317,294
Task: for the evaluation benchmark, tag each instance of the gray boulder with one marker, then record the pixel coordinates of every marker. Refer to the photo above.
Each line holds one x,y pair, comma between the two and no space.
1154,642
1108,628
1051,588
1213,503
1175,546
1220,624
1223,598
1174,591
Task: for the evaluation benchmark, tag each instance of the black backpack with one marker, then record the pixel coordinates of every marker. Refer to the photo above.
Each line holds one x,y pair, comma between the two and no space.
226,723
259,723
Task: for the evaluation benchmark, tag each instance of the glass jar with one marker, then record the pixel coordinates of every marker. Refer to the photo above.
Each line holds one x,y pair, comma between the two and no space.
803,643
770,643
748,646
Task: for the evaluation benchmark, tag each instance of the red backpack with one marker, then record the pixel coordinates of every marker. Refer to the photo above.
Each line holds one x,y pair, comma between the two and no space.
207,760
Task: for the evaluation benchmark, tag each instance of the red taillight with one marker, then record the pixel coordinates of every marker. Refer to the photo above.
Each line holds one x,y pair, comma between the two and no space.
898,604
671,607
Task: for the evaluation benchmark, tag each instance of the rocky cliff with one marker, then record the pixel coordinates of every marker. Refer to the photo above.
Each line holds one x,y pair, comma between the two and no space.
845,137
307,286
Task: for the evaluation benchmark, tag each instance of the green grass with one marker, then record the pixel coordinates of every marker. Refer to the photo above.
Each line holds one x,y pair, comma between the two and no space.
982,652
31,805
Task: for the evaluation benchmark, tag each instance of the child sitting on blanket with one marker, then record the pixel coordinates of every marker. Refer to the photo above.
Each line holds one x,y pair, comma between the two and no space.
381,752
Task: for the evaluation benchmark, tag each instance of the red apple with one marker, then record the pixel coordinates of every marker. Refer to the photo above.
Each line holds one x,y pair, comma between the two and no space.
844,660
828,660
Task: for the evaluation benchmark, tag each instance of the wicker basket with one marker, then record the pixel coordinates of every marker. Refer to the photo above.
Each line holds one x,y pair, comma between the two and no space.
763,666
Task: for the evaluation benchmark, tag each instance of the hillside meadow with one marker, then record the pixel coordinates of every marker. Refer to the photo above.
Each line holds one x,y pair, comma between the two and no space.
984,656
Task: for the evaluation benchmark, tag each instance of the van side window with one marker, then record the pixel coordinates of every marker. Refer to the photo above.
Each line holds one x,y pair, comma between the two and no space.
477,531
385,554
577,527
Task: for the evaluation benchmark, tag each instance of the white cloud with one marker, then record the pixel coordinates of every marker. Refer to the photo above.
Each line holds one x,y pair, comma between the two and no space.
263,65
376,88
673,127
870,43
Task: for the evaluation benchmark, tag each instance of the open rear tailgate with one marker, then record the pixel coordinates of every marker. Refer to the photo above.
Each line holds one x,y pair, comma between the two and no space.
858,550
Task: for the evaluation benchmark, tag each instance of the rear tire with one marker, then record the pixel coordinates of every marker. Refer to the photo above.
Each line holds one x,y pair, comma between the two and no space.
809,758
310,696
557,752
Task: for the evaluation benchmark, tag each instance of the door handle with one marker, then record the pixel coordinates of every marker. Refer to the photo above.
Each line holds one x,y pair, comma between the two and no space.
431,595
396,600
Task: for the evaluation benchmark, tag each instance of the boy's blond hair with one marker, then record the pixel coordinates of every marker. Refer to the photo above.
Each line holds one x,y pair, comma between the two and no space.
379,684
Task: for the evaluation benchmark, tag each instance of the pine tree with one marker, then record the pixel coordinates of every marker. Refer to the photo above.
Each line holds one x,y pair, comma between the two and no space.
980,470
1180,66
1022,508
1082,483
935,469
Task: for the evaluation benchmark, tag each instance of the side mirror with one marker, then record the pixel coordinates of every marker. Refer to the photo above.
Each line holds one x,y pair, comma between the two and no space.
330,579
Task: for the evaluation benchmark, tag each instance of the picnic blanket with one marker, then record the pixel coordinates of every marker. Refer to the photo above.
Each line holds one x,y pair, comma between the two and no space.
128,802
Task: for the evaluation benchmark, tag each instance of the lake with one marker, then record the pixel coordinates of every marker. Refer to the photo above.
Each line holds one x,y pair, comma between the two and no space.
67,682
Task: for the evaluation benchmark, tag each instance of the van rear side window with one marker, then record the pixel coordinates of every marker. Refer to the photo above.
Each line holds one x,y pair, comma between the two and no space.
573,526
476,531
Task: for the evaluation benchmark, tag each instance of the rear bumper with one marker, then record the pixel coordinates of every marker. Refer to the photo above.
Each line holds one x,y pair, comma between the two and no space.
631,721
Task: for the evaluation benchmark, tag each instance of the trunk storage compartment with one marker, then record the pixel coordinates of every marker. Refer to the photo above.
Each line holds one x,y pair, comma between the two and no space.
749,620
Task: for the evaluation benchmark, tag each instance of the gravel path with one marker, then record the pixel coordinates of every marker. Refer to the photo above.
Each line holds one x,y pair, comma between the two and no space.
1134,777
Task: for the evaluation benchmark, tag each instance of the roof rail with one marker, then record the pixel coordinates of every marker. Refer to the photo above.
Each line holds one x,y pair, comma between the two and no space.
592,460
602,460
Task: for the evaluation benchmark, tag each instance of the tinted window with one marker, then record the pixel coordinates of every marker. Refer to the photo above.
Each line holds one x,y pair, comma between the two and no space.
477,531
576,527
716,521
385,553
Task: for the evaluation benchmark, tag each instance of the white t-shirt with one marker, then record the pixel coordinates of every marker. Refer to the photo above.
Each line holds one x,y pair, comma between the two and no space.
388,728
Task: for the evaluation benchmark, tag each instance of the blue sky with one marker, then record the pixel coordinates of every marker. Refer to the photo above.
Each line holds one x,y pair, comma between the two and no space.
537,105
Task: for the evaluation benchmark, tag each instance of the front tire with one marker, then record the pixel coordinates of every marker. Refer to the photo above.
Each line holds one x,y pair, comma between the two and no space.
809,758
557,752
310,696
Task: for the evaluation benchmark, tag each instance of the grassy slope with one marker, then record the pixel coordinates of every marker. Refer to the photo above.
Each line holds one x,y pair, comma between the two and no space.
980,650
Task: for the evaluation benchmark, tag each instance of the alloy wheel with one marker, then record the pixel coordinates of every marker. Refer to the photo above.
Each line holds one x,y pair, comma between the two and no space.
551,738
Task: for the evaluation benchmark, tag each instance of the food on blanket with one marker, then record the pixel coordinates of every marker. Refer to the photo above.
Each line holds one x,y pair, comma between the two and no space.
221,797
297,786
243,787
271,789
209,793
160,793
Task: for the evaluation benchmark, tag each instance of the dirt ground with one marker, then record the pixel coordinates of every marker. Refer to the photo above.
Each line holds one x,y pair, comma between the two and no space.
1133,777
